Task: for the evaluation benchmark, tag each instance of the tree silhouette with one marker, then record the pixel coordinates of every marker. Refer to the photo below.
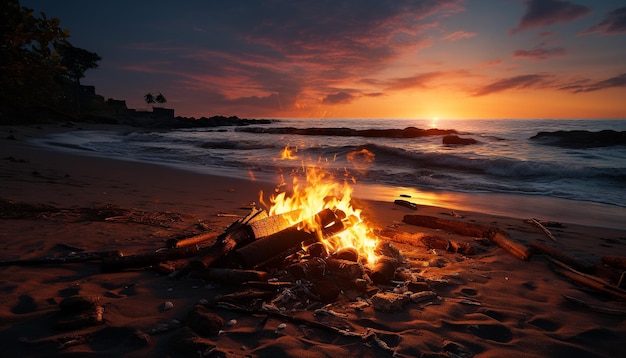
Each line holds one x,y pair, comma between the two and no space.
149,98
29,62
160,98
76,62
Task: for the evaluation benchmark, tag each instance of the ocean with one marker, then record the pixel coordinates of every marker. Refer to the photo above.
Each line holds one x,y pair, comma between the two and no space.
505,172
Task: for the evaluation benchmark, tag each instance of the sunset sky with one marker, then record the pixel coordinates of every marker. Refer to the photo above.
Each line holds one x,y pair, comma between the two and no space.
357,59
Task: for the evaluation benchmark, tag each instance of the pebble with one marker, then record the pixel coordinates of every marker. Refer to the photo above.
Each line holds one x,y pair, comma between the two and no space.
167,306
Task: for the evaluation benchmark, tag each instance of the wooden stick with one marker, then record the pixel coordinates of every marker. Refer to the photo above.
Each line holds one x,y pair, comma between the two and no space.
120,263
172,243
561,256
596,307
453,226
543,228
593,282
503,240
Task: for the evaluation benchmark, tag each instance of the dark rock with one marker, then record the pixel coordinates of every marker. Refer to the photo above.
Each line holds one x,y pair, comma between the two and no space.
456,140
409,132
581,138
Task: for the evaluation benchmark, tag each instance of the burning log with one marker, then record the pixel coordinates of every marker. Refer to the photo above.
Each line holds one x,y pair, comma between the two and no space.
237,234
346,269
273,224
384,270
312,269
263,249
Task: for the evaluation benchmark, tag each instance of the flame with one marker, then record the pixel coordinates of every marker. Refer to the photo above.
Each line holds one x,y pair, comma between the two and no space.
321,191
287,154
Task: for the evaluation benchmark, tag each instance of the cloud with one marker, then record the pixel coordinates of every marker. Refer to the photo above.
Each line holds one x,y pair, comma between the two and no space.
338,98
613,24
417,81
540,52
286,52
584,85
458,35
517,82
547,12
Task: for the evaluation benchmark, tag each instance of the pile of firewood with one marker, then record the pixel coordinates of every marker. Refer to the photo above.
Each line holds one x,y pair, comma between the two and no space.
258,245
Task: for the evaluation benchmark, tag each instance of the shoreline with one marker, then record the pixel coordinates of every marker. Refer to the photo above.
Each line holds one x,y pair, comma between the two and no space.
501,204
488,303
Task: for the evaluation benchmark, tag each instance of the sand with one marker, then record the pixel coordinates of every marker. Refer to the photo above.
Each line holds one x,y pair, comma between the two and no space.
487,304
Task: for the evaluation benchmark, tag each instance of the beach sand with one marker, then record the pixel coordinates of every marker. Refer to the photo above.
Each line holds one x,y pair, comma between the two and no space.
488,304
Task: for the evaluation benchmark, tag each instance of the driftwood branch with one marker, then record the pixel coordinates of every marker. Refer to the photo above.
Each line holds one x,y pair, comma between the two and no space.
500,237
194,240
120,263
561,256
543,228
589,281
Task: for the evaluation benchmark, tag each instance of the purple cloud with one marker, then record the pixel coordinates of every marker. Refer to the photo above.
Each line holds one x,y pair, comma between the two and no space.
584,85
547,12
517,82
540,52
417,81
458,35
339,97
613,24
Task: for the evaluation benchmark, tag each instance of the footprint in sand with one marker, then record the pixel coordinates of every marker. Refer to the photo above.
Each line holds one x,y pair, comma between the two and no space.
493,332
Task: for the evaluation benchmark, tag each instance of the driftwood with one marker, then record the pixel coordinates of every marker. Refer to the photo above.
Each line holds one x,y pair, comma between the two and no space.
615,261
500,237
561,256
453,226
596,307
589,281
406,204
120,263
77,257
543,228
194,240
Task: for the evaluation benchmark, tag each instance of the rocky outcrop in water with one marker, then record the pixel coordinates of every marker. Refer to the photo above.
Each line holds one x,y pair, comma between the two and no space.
456,140
409,132
581,138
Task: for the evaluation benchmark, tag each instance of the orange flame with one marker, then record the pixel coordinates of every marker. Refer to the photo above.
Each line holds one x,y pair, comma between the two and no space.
321,192
287,154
